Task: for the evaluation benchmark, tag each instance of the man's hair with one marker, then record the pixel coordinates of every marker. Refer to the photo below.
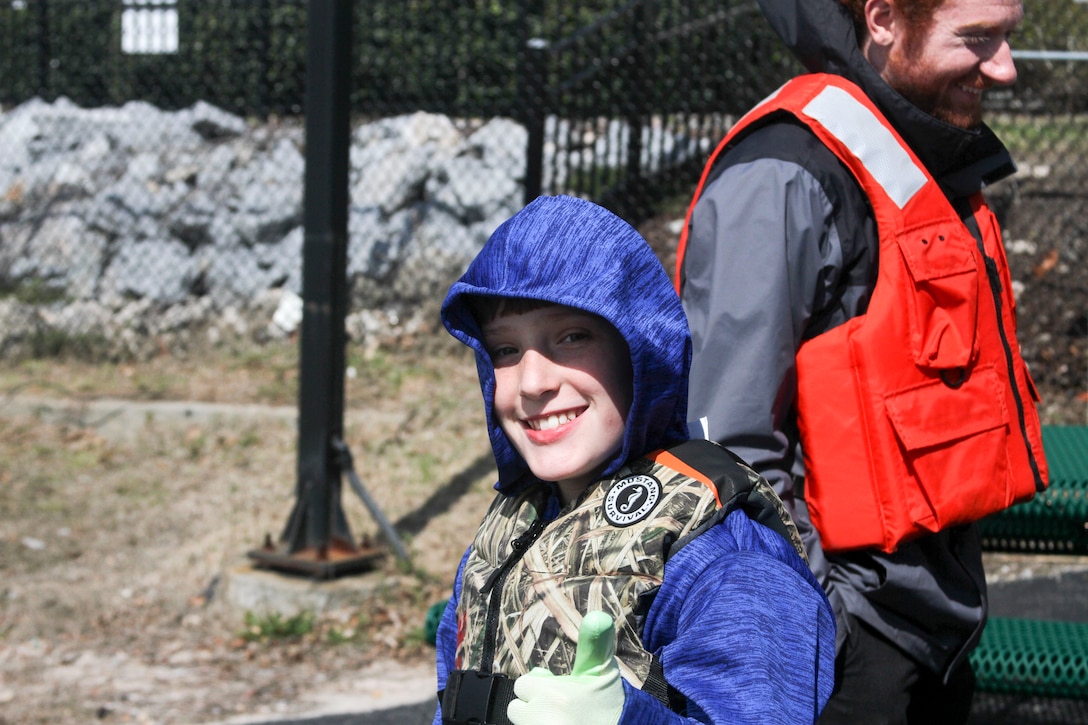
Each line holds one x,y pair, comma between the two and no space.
488,308
919,13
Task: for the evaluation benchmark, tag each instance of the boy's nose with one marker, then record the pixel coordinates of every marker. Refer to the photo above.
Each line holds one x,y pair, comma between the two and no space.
536,374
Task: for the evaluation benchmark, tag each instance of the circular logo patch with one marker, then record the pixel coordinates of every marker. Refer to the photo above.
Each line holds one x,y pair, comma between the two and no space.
631,500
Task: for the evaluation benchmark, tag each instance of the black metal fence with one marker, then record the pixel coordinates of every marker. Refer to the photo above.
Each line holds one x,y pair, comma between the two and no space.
631,88
151,150
627,86
459,57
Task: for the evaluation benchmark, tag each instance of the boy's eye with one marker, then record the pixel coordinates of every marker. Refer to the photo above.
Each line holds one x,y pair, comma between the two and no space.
502,351
576,336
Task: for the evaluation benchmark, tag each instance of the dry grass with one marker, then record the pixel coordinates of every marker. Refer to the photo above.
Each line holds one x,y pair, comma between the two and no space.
113,549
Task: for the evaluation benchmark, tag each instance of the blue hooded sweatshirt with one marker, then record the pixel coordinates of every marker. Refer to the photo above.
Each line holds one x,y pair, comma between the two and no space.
742,629
572,252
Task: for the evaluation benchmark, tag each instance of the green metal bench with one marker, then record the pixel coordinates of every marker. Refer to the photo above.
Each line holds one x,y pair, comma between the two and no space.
1036,657
1033,657
1054,521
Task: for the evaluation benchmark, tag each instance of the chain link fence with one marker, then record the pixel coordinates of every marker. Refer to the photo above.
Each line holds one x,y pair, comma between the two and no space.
152,153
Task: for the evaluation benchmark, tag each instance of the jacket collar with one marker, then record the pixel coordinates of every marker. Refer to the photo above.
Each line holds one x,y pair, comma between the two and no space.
821,35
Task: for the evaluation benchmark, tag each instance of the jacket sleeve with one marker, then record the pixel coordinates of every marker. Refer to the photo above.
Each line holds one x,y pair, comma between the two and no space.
446,637
763,256
742,629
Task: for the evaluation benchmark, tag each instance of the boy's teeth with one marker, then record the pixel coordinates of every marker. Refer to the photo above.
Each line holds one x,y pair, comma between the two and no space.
552,421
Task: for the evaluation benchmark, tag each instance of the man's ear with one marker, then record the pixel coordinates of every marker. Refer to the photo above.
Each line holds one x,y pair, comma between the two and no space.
880,18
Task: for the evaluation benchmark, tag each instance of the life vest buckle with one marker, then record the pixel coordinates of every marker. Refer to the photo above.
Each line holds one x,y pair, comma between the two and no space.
472,697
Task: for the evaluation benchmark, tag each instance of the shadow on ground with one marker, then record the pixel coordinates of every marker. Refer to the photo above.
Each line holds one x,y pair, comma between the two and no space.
442,499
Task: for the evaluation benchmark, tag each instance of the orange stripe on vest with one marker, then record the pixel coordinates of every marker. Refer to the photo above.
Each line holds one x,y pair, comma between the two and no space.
664,458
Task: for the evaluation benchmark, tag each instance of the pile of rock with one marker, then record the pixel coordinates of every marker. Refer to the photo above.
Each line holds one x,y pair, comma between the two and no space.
129,224
138,229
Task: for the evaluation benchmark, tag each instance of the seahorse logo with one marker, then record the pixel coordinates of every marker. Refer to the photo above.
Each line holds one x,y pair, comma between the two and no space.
631,499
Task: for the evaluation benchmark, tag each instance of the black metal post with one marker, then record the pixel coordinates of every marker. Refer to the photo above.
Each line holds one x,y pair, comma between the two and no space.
317,539
534,89
324,284
637,111
264,34
45,50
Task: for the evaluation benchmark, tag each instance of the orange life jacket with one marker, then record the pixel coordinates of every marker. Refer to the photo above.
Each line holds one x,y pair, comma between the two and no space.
919,414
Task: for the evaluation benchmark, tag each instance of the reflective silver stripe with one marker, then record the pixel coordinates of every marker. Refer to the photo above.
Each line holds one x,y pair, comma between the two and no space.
859,130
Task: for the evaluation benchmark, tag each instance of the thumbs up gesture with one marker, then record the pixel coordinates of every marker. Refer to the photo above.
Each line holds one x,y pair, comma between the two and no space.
592,694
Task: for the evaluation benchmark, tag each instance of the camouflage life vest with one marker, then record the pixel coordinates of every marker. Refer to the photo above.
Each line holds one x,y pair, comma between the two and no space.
527,583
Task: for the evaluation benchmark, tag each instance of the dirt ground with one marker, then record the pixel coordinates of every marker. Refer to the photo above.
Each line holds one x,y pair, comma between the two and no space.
116,533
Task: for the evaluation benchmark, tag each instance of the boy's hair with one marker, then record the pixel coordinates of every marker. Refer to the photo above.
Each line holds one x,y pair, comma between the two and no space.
488,308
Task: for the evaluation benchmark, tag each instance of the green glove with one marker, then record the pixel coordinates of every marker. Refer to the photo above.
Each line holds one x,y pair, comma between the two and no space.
592,694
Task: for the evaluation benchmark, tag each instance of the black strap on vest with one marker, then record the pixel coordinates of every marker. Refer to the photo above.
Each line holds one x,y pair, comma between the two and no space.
658,686
493,586
735,489
472,696
476,697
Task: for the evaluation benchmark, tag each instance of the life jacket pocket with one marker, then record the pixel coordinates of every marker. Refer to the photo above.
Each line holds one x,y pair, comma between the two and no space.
944,309
952,440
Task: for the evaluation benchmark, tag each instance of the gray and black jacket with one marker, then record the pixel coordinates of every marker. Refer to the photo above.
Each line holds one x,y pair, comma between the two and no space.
788,239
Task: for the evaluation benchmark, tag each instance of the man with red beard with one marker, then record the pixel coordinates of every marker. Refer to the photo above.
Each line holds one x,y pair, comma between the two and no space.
854,330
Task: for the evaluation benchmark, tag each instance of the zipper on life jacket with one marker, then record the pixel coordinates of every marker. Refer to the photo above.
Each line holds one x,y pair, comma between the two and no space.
493,586
995,289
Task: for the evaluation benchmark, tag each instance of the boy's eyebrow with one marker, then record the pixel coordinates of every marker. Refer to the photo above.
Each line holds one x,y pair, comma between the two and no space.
499,323
552,312
492,334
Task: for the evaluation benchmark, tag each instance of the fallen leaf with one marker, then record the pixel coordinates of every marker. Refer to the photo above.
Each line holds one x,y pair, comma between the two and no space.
1050,261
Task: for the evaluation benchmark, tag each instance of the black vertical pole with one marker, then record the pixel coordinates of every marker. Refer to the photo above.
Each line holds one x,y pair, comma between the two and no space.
635,92
45,50
317,538
534,90
264,34
324,266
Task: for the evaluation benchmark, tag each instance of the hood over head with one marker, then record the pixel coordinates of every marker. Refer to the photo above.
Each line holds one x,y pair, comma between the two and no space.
821,35
572,252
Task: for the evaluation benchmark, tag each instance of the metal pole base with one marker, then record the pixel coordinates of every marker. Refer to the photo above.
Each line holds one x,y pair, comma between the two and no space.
324,562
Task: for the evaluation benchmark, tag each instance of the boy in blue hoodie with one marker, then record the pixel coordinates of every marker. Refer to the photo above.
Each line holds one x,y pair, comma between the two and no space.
623,573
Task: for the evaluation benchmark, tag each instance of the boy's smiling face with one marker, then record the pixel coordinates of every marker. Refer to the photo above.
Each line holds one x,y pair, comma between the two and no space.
562,391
